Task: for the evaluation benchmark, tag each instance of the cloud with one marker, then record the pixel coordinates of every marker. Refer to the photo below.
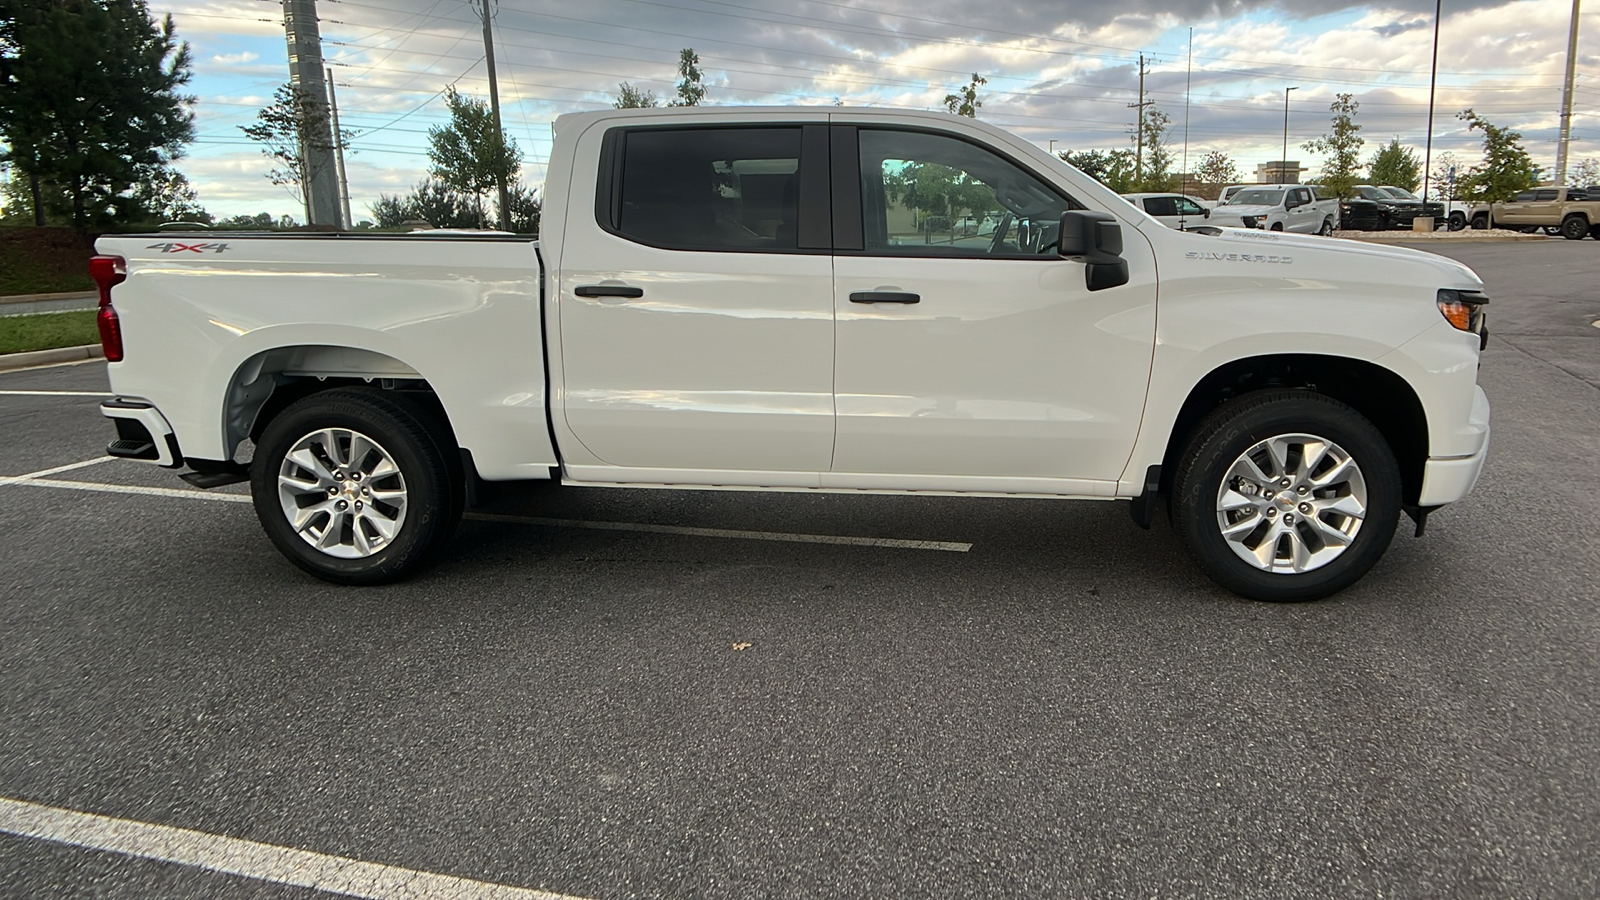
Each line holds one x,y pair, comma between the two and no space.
235,59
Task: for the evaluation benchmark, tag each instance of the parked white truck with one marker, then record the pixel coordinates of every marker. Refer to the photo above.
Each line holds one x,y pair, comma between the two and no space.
735,299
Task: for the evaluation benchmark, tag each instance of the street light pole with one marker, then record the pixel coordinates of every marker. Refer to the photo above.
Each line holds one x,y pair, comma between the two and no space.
1283,164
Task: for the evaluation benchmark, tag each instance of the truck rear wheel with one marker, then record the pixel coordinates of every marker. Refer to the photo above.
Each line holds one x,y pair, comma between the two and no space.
353,486
1574,228
1457,221
1480,222
1286,495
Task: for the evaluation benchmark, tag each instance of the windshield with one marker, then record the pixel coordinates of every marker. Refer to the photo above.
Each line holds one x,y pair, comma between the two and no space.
1372,193
1399,193
1256,197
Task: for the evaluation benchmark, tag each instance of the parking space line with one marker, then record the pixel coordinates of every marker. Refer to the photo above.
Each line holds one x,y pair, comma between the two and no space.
103,488
57,394
896,543
250,859
14,479
686,530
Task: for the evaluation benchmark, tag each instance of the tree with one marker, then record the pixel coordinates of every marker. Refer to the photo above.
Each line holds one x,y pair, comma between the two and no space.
1584,173
938,192
1155,174
1342,169
90,95
1112,168
165,195
525,209
1446,176
630,97
1396,166
258,222
293,130
965,101
431,201
1217,167
470,154
691,88
1507,169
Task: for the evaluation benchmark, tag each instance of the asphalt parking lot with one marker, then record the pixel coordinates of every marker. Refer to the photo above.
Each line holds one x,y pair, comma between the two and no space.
996,698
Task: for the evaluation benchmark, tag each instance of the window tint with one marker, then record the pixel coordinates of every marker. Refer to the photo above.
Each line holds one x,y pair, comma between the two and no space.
1523,197
1160,206
711,188
1187,207
919,191
1545,195
1300,195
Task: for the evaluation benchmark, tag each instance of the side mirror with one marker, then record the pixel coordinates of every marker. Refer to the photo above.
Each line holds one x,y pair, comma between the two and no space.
1096,238
1205,213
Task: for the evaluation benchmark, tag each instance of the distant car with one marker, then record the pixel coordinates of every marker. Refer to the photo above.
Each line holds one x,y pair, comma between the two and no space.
1303,208
1178,211
1382,207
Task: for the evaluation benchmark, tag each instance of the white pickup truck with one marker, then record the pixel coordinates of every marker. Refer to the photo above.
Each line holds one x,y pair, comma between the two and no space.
1300,208
742,299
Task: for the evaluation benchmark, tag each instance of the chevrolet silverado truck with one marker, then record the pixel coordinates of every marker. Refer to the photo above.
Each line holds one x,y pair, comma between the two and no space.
741,299
1547,208
1302,208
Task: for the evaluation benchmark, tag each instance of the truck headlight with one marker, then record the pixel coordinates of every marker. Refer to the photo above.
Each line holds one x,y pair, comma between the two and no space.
1464,310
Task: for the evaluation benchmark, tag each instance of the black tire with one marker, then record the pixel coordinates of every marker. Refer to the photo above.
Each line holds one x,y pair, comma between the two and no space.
1277,226
1237,426
1458,222
1327,227
420,448
1552,230
1575,228
1480,222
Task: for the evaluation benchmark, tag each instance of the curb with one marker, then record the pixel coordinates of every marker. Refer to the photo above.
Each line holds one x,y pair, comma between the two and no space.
1473,239
37,298
12,361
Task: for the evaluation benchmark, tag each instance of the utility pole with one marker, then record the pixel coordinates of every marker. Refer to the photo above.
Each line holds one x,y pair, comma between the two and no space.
1566,100
1138,129
1433,82
338,150
499,131
319,178
1283,164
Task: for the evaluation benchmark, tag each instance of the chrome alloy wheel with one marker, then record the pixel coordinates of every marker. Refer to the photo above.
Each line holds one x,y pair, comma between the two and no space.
1292,503
342,493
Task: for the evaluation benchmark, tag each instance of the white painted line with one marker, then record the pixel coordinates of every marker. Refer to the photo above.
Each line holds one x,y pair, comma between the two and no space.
66,468
950,546
892,543
57,393
250,859
133,489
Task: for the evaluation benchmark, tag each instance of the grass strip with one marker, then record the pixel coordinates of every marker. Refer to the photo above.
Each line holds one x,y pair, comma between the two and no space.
46,331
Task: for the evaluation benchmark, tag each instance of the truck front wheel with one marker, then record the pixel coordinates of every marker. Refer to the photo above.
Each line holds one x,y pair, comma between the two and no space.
1286,495
1574,228
353,486
1480,222
1457,221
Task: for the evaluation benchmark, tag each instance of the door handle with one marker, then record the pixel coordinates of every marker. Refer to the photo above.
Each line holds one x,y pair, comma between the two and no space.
609,290
884,297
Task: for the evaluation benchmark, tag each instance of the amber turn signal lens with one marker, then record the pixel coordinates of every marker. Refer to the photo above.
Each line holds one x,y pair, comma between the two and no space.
1457,313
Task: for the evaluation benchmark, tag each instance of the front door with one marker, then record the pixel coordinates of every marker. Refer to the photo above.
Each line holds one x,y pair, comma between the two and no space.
696,307
977,357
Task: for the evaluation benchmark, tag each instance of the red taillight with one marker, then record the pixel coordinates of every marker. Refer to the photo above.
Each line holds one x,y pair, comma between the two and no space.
109,271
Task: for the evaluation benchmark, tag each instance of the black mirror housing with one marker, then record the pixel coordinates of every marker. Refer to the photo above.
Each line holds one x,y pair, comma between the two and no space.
1096,238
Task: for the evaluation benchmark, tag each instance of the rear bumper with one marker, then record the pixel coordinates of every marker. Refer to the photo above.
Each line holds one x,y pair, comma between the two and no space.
142,433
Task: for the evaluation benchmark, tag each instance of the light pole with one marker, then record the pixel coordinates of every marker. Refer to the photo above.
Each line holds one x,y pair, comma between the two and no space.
1283,164
1053,146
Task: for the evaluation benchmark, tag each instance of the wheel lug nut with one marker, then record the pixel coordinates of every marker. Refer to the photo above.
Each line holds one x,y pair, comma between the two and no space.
1271,513
1303,489
358,506
1305,508
338,475
332,491
1284,482
341,504
355,476
366,492
1288,520
1267,494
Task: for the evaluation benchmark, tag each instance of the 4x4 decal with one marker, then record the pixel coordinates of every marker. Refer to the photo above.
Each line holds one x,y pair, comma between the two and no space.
175,247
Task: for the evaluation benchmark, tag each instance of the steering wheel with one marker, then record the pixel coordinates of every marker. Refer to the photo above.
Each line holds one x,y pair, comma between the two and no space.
999,239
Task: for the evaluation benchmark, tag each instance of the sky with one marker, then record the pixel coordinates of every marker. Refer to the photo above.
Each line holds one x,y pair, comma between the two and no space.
1061,72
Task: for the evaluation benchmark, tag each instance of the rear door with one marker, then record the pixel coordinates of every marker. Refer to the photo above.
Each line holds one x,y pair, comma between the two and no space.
696,307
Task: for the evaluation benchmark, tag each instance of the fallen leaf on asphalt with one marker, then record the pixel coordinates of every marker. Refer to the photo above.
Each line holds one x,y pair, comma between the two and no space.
742,646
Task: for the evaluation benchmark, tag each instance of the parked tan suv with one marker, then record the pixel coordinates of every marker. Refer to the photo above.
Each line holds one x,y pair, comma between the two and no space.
1546,208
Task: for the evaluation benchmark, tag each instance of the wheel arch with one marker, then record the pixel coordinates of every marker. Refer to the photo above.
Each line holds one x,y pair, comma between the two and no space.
268,382
1382,396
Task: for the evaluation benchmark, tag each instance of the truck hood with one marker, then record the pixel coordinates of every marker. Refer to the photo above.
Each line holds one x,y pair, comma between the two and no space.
1252,210
1337,251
